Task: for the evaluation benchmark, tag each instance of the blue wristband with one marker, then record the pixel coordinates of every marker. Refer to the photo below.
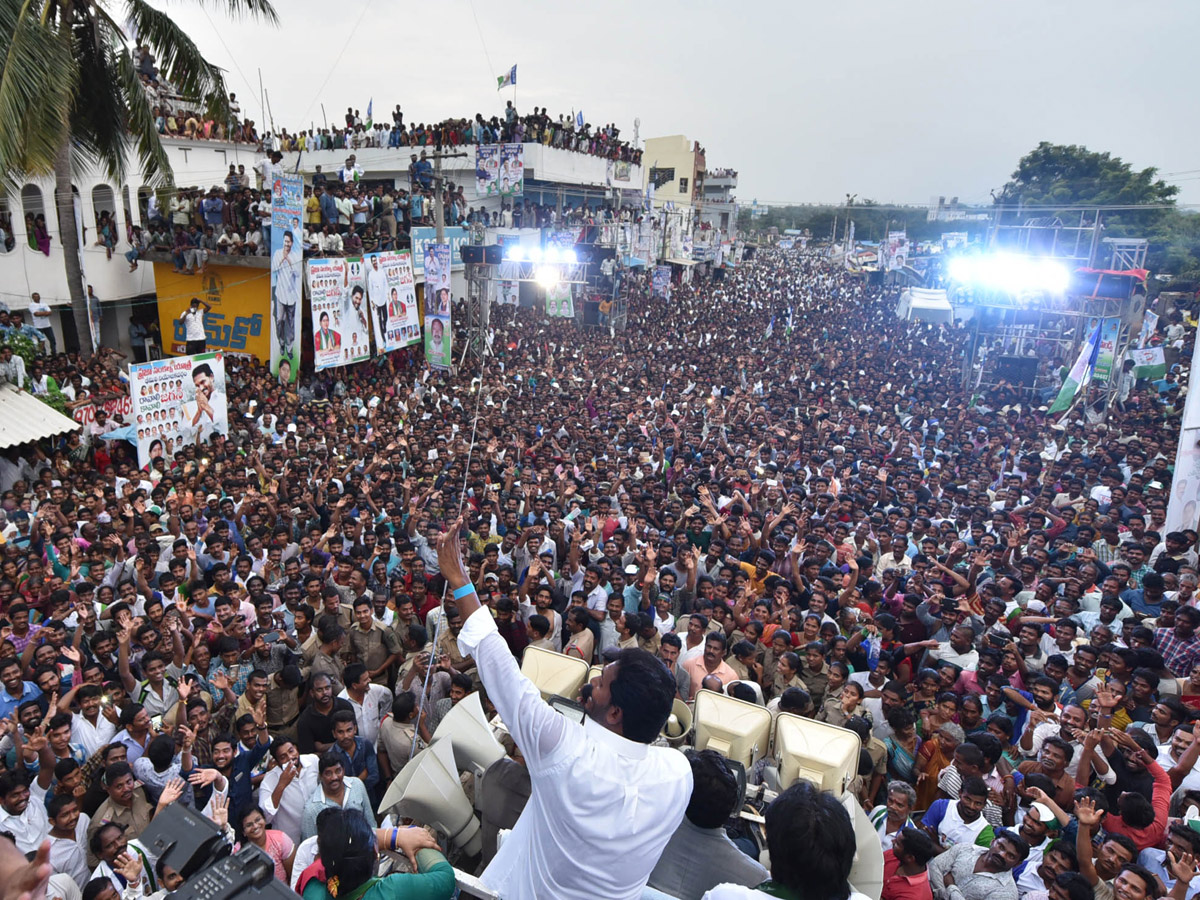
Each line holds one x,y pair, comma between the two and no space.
463,591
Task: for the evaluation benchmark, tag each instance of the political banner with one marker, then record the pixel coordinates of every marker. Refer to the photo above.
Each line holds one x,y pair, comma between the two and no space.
177,402
337,304
392,295
437,279
1183,508
426,235
559,302
952,240
1149,362
512,170
508,290
786,244
287,262
487,169
896,250
438,338
661,282
1107,356
239,321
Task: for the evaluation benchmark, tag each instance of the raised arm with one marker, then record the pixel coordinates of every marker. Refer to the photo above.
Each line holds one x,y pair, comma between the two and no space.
537,729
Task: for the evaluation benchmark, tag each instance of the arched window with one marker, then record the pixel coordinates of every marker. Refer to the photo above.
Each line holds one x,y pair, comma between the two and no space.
31,201
103,201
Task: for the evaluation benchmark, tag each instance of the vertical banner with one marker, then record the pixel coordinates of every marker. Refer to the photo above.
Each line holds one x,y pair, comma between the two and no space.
1149,326
897,250
177,402
559,301
661,285
512,170
1110,330
1183,507
438,349
392,294
287,260
337,304
487,170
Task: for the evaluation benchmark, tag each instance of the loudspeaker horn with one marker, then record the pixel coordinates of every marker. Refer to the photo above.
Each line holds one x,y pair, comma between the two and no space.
467,730
428,790
679,723
553,673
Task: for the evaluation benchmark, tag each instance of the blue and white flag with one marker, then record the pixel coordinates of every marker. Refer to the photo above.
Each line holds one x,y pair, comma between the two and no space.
370,105
579,119
505,80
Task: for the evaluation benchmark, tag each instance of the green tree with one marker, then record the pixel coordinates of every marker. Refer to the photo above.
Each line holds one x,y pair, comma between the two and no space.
1058,179
70,96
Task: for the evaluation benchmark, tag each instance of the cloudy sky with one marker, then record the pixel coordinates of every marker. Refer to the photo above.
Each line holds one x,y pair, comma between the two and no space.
809,101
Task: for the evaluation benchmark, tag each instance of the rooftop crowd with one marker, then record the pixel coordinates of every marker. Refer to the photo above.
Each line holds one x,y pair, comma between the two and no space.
344,215
816,517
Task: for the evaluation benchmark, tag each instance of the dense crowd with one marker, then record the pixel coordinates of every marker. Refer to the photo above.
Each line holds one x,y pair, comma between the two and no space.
817,517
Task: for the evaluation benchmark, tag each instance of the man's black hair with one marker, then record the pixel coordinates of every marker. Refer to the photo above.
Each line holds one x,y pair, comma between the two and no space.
644,691
811,842
714,790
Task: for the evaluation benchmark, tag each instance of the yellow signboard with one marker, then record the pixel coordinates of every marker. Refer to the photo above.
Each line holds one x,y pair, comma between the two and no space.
240,297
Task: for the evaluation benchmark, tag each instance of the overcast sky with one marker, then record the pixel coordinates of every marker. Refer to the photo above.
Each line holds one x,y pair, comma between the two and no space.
808,101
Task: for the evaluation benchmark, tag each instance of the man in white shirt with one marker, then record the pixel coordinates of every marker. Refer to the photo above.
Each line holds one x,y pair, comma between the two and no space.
89,727
593,783
287,786
22,814
68,837
41,321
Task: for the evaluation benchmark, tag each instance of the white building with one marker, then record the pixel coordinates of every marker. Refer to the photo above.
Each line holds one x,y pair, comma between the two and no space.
549,173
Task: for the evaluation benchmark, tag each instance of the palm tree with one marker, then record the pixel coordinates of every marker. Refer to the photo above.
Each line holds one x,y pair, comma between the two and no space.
70,95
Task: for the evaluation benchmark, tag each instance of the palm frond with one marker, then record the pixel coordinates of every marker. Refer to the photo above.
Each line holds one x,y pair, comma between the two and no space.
178,57
142,131
37,82
259,9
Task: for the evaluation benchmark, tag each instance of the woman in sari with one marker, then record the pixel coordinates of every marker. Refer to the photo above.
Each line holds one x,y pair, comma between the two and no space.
936,753
348,849
902,745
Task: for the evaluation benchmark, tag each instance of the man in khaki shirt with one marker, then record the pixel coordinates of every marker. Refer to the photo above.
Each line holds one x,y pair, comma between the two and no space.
373,645
126,806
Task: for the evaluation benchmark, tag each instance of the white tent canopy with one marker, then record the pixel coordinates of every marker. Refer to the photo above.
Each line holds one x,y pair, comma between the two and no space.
925,306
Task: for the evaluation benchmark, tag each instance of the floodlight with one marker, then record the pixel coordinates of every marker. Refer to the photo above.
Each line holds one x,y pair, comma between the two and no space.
551,255
1011,272
515,253
548,276
568,256
535,254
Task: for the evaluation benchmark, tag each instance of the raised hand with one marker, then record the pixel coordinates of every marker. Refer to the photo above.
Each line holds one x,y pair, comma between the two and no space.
1087,814
1183,868
220,811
